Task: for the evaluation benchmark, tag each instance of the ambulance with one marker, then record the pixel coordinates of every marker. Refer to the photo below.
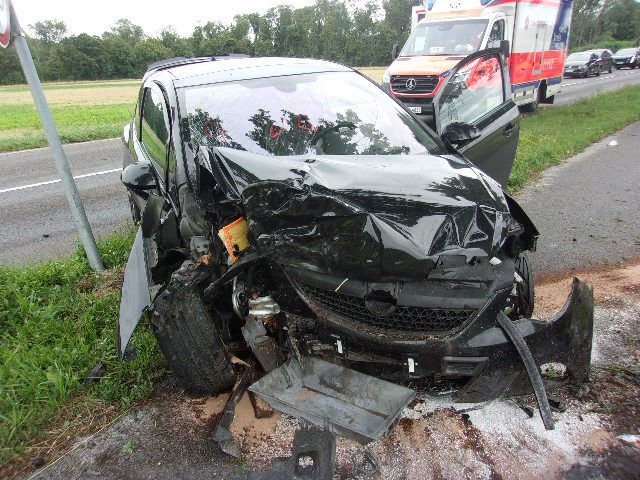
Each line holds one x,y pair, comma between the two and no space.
446,31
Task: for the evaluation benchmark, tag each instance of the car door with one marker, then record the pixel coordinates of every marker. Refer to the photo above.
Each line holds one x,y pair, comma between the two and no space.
475,113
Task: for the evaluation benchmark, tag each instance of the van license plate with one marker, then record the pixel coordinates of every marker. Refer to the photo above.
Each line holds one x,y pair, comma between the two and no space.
416,109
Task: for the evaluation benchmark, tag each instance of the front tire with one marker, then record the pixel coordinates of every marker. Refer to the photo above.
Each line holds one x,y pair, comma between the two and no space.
525,289
191,341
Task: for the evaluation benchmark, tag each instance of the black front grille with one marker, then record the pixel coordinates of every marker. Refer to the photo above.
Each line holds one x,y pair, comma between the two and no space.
403,319
423,84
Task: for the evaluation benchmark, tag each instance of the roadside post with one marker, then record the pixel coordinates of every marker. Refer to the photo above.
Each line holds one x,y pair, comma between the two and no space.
11,32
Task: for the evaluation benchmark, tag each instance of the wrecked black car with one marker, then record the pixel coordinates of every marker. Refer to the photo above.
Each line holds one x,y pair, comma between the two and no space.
294,215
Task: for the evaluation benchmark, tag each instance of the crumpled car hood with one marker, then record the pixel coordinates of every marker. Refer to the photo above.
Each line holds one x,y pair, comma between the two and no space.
365,216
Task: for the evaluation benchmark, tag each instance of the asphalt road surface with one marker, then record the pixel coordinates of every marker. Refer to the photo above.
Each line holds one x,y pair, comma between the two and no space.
37,223
574,89
34,213
588,209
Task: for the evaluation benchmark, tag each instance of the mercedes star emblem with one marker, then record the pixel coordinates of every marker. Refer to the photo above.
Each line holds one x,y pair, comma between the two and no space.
411,84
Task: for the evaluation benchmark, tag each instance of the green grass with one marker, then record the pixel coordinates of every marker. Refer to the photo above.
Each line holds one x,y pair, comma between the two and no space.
57,321
557,133
75,124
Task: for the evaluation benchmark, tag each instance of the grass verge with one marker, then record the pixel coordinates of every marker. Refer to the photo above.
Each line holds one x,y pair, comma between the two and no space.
57,322
555,134
20,126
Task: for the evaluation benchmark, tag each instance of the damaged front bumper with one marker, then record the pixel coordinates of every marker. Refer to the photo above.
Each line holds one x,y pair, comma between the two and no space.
478,349
363,408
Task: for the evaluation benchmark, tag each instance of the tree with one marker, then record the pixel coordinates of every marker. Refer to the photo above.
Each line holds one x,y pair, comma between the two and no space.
179,46
126,30
49,31
397,15
149,51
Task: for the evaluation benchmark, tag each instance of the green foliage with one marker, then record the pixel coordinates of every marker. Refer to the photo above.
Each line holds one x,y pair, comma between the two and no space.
602,23
555,134
57,321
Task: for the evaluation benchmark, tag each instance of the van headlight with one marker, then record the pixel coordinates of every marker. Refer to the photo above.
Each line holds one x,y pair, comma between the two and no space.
386,79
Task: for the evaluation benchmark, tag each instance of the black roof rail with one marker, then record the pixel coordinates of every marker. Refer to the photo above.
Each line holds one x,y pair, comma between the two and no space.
231,55
176,61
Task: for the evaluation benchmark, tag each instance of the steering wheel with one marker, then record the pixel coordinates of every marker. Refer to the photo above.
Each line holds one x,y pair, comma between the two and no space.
321,133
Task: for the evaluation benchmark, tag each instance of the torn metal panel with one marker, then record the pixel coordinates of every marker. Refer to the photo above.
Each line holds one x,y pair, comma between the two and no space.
364,215
135,298
346,402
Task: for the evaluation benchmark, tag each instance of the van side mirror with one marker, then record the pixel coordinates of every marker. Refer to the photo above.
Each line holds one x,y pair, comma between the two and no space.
138,176
394,52
504,48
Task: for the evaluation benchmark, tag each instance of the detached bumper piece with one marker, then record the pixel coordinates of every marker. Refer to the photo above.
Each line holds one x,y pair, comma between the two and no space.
335,398
565,339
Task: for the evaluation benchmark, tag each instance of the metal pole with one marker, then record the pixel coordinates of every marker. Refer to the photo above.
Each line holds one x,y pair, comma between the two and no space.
77,209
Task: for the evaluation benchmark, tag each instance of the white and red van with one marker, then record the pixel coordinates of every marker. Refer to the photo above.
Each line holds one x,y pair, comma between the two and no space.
537,32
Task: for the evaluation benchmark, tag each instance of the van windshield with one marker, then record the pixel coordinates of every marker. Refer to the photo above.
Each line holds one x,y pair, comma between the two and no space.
446,38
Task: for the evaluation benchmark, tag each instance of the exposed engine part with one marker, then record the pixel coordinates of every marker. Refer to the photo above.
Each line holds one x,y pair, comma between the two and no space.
263,307
255,311
263,346
239,299
199,246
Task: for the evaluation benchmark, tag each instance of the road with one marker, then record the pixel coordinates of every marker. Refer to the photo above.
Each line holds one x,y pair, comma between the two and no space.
574,89
35,214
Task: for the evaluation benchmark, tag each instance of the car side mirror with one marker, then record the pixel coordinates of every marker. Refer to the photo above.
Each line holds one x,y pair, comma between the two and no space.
459,133
394,52
138,176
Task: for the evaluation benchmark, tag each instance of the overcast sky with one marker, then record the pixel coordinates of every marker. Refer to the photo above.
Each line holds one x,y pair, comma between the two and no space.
97,16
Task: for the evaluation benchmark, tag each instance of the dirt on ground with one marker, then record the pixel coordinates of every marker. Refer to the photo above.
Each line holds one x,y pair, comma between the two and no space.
170,435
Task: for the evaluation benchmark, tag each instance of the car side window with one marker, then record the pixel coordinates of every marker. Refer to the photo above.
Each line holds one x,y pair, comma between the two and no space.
496,35
154,132
474,91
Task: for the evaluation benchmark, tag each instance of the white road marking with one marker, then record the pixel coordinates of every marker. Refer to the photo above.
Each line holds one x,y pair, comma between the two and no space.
621,74
50,182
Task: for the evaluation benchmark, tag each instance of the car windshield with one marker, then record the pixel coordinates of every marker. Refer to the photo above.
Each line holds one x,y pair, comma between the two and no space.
626,51
445,38
332,113
579,57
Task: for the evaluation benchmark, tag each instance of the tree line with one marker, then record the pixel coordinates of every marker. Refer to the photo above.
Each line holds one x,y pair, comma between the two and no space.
354,32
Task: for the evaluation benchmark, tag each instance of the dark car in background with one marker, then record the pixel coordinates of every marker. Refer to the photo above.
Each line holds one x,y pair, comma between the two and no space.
606,59
627,58
582,64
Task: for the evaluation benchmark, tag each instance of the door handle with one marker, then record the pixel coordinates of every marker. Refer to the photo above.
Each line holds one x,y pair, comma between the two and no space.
509,129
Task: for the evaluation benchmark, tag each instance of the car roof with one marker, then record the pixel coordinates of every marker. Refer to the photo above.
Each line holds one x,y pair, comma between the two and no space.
205,70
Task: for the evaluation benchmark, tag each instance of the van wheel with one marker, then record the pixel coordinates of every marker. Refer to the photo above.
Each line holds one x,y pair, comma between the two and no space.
190,339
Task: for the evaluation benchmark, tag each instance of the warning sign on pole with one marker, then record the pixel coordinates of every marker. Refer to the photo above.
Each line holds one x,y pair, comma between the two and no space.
5,23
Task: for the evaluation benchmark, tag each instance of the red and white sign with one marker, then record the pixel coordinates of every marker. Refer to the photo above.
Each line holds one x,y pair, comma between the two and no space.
5,24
